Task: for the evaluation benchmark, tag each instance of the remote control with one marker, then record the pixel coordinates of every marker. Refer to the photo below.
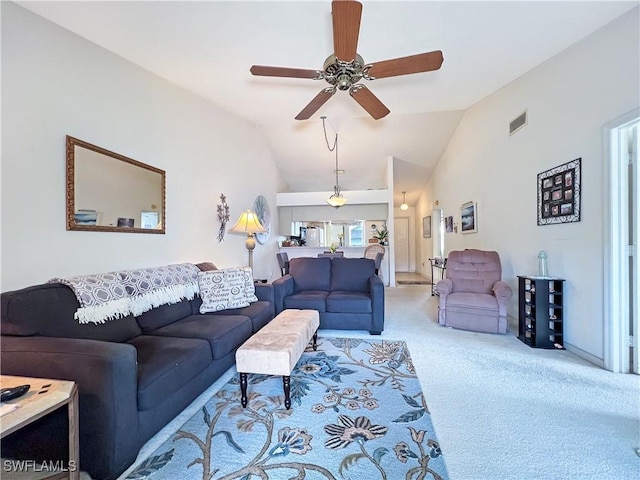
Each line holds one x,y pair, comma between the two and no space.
13,392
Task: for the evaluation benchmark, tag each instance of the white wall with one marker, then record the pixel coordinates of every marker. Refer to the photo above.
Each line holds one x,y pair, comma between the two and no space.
569,99
55,83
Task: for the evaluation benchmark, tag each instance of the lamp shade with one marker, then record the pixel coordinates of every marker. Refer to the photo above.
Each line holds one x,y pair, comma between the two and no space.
248,223
336,200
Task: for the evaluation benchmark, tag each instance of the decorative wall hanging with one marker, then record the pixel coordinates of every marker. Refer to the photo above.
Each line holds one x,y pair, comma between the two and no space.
559,193
448,224
261,209
223,216
426,227
469,217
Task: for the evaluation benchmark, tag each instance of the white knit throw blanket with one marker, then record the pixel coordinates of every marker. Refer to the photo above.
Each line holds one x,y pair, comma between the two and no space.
108,296
152,287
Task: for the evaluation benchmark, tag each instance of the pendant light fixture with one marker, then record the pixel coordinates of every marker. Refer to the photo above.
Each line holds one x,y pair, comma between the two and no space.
404,205
336,200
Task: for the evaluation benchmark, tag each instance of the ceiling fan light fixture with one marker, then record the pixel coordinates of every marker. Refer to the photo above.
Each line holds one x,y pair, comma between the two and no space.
344,82
336,200
404,205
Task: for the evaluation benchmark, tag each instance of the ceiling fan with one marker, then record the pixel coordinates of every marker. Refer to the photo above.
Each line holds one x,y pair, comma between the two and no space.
345,67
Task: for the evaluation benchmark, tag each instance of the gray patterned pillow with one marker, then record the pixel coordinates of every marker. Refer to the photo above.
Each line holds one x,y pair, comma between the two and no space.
221,290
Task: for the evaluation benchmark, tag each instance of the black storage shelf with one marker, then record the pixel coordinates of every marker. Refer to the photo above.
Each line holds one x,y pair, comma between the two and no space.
541,316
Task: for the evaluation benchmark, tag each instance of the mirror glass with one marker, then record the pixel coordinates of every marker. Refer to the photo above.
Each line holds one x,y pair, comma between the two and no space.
109,192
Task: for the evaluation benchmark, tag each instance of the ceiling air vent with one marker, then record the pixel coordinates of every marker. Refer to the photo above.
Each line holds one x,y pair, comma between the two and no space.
517,123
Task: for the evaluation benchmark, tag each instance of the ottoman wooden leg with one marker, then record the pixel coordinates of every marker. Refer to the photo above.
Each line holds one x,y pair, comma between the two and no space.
243,389
315,341
286,383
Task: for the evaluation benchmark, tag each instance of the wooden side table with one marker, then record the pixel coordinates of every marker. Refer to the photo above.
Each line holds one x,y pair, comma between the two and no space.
44,396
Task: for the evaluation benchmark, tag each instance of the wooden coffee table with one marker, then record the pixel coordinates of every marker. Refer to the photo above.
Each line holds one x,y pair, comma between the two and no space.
44,396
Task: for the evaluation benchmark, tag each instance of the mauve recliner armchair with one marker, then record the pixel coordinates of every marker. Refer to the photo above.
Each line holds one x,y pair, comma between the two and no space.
473,295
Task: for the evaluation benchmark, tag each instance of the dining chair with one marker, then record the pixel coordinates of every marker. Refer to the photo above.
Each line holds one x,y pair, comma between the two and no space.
283,261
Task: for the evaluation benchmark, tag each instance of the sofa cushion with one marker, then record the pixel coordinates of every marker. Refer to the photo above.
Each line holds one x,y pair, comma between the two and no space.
166,364
351,274
49,309
472,301
473,285
310,274
309,300
221,290
223,332
349,302
473,270
163,315
258,312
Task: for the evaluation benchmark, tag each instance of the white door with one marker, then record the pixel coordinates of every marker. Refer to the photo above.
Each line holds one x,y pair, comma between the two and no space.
622,263
401,243
632,248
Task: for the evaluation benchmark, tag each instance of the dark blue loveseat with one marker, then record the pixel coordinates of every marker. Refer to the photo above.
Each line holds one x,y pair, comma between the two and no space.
345,291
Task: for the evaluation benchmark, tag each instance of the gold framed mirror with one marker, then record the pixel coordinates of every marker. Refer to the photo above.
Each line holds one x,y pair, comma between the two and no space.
108,192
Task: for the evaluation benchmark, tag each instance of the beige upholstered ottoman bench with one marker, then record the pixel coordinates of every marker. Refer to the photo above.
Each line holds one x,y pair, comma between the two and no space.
276,348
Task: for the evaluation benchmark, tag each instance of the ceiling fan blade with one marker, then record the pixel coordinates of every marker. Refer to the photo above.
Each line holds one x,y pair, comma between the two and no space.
316,103
422,62
346,28
369,101
266,71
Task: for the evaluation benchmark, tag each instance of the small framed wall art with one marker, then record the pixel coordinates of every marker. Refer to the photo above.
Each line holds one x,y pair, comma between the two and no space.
426,227
448,224
559,193
469,217
261,209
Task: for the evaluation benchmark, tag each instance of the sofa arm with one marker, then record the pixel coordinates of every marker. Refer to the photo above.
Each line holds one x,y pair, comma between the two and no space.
376,290
264,292
282,287
502,290
503,293
106,375
443,289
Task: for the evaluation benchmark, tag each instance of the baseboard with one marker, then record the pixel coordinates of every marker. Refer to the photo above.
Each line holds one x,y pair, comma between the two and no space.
512,325
599,362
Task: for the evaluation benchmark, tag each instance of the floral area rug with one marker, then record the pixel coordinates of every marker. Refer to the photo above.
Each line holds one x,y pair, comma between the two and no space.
357,412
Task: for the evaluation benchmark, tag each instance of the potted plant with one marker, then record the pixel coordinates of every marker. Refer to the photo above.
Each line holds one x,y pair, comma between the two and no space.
382,236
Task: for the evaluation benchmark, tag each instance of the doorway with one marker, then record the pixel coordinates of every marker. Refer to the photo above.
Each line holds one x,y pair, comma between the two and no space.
401,243
622,265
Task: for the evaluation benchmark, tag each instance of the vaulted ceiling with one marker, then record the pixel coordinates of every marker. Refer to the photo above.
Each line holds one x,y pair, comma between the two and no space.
208,47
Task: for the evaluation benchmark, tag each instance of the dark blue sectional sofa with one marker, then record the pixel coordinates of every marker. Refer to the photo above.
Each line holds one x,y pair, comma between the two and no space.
346,291
134,374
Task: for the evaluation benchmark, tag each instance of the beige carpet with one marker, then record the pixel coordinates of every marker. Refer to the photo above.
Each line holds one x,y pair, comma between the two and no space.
503,410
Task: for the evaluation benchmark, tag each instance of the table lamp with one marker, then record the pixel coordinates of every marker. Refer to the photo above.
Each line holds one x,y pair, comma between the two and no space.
250,224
